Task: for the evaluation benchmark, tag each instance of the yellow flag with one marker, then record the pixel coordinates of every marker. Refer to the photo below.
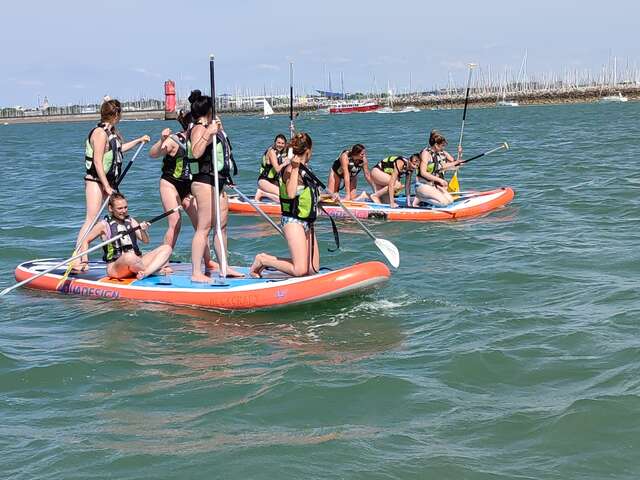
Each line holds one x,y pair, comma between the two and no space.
454,185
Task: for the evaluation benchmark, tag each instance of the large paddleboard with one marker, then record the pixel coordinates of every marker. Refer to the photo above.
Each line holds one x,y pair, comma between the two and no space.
272,291
467,206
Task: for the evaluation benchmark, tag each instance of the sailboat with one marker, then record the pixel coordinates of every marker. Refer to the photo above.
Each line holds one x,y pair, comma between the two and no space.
267,111
504,102
389,107
614,98
619,97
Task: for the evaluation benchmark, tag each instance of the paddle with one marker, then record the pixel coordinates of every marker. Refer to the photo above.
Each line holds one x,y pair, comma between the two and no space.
454,184
388,249
504,145
104,205
216,181
292,128
86,252
258,209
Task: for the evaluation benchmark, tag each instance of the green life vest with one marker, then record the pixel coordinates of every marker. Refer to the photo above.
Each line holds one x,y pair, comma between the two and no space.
225,161
303,206
435,166
111,167
267,171
114,250
389,164
177,166
353,167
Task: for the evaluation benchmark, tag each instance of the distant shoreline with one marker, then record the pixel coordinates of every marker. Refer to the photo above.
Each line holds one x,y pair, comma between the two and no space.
439,102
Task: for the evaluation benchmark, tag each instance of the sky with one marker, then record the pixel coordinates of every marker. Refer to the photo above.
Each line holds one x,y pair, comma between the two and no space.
77,51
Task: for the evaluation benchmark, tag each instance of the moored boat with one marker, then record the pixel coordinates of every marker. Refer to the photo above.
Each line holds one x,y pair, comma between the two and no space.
356,106
619,98
273,290
471,204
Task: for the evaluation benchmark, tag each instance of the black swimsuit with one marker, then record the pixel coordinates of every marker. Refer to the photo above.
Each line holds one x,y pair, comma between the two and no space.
183,187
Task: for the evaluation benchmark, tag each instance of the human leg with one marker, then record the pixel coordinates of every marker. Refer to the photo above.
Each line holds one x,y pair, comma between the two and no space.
434,195
203,194
297,265
268,190
170,198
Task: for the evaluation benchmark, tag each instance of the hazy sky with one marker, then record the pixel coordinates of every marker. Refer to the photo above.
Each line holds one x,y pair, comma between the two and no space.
77,51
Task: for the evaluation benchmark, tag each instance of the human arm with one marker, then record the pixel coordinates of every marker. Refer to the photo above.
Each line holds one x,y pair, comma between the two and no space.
97,231
202,137
273,160
129,145
452,163
293,174
392,186
407,188
160,148
141,234
346,175
367,173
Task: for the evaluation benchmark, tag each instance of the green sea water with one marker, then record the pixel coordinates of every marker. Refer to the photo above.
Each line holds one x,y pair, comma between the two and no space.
504,347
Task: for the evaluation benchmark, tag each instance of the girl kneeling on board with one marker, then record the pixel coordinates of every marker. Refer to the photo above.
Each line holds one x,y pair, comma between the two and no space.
387,174
431,186
345,169
298,201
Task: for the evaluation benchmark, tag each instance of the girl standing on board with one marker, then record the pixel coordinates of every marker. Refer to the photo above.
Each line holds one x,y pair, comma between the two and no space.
175,182
104,148
200,152
298,200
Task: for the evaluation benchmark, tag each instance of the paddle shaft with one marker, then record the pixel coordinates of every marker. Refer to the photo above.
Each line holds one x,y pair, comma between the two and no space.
258,209
216,180
86,252
488,152
466,103
292,127
313,177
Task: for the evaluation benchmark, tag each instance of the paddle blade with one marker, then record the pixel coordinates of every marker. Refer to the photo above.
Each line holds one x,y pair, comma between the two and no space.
506,145
454,185
390,251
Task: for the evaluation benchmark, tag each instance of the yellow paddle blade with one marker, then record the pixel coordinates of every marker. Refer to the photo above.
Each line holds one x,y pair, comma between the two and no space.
454,185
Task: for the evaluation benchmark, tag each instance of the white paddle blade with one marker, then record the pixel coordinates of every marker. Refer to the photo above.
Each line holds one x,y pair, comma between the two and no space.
506,146
390,251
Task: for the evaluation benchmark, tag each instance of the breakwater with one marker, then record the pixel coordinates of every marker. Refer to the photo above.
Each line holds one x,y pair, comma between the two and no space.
589,94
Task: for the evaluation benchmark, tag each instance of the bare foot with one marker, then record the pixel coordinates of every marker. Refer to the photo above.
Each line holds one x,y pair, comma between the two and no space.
80,267
165,270
211,266
200,278
374,198
141,274
234,273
